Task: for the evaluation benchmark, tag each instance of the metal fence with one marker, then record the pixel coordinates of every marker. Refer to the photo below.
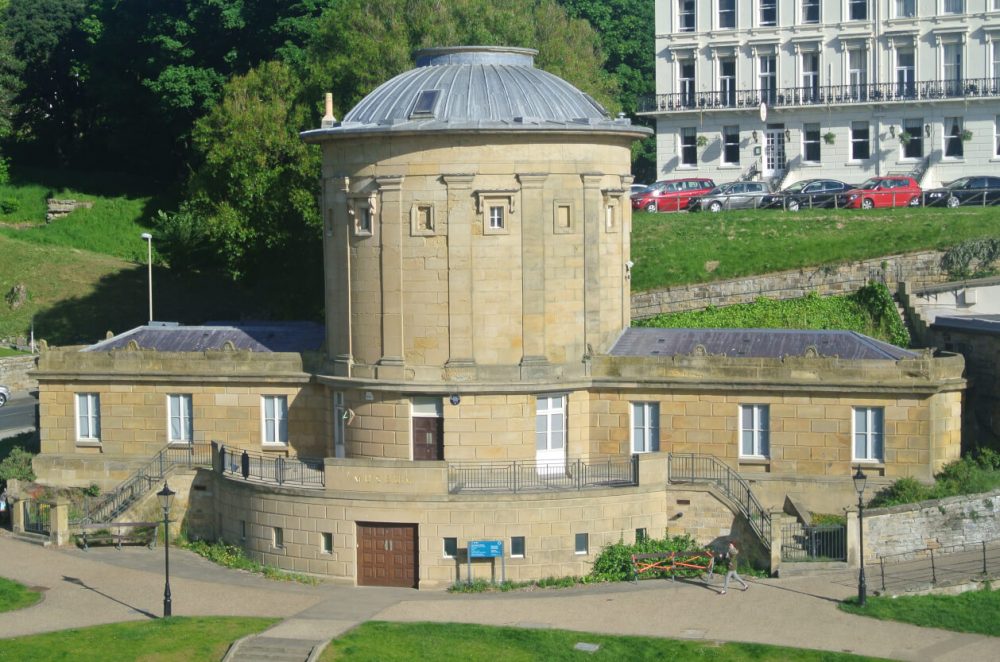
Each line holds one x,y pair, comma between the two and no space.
813,543
694,468
36,516
531,476
930,567
298,472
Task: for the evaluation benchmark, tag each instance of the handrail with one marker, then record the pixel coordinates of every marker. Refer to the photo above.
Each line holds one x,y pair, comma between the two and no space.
821,95
297,471
694,468
142,480
529,475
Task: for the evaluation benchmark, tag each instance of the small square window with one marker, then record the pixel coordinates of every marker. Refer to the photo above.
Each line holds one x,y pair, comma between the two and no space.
517,547
422,219
362,212
582,543
497,209
326,542
450,548
278,537
496,217
640,535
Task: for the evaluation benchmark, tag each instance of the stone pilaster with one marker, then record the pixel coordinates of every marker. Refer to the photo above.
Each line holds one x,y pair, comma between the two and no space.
593,227
461,216
390,215
337,230
533,213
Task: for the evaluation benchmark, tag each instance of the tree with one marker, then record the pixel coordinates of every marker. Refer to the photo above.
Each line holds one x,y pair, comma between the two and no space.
10,83
360,44
252,202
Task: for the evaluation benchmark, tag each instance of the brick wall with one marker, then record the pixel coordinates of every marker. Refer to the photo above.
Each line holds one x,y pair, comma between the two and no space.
14,373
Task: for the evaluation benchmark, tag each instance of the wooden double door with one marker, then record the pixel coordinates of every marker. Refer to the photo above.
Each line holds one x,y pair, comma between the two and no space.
387,554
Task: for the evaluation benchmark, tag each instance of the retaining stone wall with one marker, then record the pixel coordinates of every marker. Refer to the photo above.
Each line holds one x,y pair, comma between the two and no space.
14,373
933,524
917,268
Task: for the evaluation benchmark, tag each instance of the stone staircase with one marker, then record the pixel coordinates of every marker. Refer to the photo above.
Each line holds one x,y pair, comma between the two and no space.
261,648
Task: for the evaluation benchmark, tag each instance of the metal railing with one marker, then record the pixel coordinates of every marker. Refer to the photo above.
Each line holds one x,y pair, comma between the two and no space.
694,468
37,516
292,471
813,543
821,95
944,565
140,482
532,476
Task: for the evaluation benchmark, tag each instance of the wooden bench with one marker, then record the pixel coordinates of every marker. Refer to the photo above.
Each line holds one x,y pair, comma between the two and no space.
670,562
119,533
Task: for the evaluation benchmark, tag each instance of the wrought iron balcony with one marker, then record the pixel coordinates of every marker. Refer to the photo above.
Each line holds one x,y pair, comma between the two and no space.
820,95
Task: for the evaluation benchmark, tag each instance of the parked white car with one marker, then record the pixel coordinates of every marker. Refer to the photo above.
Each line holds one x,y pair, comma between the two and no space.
4,395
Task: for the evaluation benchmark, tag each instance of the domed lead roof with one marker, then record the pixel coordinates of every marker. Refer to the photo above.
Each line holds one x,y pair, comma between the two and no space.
476,87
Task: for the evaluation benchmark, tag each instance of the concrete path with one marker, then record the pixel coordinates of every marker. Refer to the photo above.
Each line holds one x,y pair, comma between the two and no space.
106,585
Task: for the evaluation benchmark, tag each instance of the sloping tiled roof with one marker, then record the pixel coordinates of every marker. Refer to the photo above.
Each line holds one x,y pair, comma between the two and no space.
252,336
755,343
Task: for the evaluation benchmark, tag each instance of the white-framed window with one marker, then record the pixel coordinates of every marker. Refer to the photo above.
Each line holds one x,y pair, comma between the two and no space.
641,534
857,68
906,72
686,17
996,136
582,543
755,431
811,147
953,7
689,147
496,217
768,12
906,8
325,542
951,72
996,59
727,14
953,128
88,416
869,433
180,426
914,147
550,422
450,548
811,11
768,69
727,80
645,427
274,410
731,144
810,76
860,141
686,82
517,547
497,209
857,10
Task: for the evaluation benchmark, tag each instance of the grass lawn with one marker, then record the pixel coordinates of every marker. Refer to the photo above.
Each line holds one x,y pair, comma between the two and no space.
15,596
681,248
177,639
974,611
385,642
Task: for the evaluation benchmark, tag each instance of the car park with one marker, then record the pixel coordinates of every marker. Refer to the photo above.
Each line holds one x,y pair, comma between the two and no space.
807,194
4,395
975,191
732,195
671,194
889,191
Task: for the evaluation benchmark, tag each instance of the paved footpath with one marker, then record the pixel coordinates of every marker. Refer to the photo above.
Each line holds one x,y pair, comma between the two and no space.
106,585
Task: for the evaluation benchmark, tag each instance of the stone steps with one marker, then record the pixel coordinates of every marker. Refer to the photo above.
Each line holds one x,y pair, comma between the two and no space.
270,649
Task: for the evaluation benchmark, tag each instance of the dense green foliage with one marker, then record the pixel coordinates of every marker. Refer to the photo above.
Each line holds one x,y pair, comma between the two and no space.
175,639
974,258
15,456
973,474
973,611
870,311
230,556
447,642
614,563
16,596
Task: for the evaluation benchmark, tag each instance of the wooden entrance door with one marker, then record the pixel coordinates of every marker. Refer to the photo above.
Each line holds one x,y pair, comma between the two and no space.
428,440
387,554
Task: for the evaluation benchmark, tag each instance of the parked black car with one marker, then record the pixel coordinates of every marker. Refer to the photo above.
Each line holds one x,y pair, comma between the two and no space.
807,194
975,191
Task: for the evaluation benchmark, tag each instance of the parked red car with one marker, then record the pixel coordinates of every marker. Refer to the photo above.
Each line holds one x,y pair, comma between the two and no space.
671,194
892,191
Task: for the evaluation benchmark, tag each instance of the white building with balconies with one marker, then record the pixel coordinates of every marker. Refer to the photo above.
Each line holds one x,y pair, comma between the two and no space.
784,90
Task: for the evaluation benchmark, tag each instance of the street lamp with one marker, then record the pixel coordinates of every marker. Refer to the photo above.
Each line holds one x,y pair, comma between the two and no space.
149,265
859,485
166,497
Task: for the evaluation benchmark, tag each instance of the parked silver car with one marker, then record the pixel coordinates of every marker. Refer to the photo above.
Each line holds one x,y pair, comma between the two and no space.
4,395
733,195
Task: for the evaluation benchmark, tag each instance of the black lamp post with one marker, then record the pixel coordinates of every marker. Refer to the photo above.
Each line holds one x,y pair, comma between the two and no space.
859,485
166,497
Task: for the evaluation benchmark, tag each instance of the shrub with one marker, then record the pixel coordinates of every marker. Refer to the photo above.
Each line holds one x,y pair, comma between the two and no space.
9,205
904,490
17,465
614,563
973,474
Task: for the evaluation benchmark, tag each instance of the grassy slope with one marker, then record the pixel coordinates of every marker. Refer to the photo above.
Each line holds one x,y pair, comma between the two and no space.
675,249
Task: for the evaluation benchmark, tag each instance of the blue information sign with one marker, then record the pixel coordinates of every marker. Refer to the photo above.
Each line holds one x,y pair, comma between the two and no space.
485,549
